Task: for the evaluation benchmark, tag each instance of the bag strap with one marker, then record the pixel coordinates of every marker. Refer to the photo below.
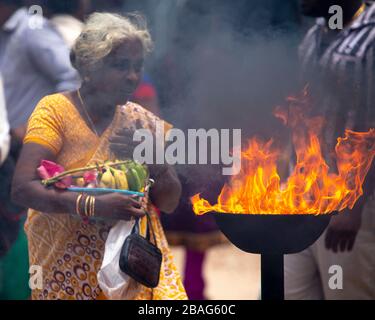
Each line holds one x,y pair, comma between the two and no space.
136,227
150,229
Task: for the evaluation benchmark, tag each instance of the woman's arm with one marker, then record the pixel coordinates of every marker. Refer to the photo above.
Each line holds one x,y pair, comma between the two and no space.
28,191
166,192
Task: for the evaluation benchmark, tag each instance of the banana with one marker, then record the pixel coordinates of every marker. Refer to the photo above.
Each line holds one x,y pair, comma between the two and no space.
107,180
123,168
80,182
138,181
142,172
121,180
130,164
133,180
100,174
115,175
130,176
125,185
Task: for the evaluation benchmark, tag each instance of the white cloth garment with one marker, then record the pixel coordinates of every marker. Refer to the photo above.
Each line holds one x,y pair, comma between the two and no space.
307,274
68,26
4,127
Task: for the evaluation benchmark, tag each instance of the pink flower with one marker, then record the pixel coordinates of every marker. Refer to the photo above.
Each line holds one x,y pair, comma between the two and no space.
90,176
49,169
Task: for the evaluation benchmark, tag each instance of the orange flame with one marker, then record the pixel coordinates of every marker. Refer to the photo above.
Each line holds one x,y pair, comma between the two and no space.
311,188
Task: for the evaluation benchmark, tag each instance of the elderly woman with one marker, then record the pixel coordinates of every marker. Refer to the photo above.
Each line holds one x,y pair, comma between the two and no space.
74,129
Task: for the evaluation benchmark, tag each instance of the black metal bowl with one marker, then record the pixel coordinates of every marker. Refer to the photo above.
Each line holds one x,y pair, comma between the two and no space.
271,233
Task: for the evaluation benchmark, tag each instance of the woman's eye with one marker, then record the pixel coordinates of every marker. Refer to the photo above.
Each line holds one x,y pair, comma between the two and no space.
125,66
122,65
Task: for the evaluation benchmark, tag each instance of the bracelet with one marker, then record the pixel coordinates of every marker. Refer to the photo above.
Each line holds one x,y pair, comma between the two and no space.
78,204
87,206
92,206
84,202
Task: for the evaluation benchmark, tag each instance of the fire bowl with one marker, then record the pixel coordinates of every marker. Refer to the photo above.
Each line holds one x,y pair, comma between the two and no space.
271,233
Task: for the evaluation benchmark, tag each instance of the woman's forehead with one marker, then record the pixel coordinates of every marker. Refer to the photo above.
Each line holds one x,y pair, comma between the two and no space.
131,48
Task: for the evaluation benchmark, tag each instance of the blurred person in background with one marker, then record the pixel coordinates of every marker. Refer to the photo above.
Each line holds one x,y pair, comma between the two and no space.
11,15
67,17
13,243
339,67
4,127
36,63
147,96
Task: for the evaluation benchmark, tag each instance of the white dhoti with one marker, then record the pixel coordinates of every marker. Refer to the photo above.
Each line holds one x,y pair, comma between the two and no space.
307,273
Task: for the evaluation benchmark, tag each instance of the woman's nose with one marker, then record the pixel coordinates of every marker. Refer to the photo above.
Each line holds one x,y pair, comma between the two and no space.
132,76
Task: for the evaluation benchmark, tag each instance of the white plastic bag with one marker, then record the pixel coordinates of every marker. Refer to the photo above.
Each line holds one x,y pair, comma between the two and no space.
115,284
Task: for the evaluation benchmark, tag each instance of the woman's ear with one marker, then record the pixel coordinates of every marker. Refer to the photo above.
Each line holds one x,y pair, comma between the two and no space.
73,61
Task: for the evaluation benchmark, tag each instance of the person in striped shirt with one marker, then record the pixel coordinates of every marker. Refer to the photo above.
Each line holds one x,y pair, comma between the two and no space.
338,65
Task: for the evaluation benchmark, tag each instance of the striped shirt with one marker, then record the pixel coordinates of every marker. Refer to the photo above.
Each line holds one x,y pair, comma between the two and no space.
339,67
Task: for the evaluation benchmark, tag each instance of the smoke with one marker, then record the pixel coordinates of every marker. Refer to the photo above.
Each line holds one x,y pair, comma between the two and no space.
222,72
225,64
236,82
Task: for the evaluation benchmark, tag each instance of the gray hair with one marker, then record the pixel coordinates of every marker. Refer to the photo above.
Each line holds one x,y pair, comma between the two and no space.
102,33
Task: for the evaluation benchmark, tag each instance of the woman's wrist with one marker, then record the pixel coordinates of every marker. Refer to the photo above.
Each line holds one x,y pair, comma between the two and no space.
85,206
67,201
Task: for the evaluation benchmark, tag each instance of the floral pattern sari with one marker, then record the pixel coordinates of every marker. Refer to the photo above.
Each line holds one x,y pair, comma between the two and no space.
70,251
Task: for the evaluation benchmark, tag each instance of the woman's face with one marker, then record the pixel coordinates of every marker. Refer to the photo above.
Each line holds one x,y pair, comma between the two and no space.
121,73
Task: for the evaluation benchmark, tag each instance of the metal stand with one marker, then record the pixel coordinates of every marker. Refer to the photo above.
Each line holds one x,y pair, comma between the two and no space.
272,236
272,276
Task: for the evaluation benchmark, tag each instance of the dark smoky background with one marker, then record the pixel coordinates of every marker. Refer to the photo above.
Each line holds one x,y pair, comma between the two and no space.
222,64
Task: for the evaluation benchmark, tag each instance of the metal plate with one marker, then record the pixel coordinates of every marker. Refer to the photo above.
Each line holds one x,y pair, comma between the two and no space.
272,234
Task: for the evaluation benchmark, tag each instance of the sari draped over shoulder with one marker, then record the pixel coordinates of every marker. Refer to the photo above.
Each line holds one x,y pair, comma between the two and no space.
70,251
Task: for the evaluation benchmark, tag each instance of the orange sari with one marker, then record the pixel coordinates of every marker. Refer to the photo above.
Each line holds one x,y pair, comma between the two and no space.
69,251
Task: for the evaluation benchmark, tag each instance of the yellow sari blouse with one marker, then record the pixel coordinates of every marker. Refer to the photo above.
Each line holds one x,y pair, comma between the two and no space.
69,251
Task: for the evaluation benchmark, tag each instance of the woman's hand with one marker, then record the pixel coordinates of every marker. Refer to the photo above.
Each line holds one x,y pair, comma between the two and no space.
121,143
118,206
166,191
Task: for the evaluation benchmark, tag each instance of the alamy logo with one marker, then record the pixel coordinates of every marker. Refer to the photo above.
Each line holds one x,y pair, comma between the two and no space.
36,277
193,149
35,17
335,281
336,21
